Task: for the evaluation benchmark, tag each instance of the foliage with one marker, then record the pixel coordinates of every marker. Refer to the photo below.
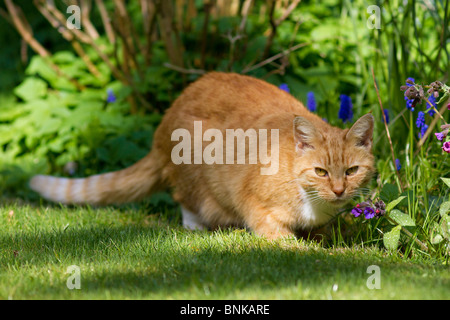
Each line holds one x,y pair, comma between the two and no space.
57,123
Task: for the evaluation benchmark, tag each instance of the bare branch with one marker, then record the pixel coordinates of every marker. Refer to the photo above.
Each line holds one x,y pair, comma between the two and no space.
183,70
245,12
288,11
106,21
85,11
170,34
273,58
23,27
275,23
207,6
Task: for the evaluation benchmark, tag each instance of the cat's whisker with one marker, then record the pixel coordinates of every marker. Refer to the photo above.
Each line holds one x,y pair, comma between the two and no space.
316,199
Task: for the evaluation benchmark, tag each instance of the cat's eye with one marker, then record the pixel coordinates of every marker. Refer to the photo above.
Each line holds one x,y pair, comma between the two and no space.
351,171
321,172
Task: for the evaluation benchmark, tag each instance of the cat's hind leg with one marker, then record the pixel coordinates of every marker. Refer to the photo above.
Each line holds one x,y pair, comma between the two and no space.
191,220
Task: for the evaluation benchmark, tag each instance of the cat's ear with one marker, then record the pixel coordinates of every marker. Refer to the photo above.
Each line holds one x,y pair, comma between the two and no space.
304,135
361,132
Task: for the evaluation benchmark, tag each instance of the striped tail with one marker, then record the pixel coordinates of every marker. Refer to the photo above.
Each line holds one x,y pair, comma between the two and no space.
127,185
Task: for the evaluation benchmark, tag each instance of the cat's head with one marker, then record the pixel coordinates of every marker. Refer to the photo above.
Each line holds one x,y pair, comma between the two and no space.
333,165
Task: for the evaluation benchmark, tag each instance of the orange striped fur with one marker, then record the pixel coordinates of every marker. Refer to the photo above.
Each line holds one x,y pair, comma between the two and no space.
220,195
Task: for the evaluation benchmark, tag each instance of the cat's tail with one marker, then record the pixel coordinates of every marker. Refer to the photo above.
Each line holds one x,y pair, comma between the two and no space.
127,185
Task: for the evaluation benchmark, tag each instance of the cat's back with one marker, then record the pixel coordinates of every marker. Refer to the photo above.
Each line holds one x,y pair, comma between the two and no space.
229,100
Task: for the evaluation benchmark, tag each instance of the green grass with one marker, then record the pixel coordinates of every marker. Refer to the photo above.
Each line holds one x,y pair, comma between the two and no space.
130,254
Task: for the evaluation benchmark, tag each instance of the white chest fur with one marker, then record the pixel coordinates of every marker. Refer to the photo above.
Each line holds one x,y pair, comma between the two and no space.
314,211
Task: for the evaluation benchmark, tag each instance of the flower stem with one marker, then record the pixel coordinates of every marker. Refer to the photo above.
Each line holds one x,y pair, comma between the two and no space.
431,126
434,108
387,131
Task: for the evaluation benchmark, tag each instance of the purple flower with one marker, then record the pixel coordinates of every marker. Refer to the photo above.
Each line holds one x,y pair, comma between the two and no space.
380,208
369,212
311,102
345,111
369,209
284,87
446,146
440,135
359,208
398,165
420,120
111,98
357,211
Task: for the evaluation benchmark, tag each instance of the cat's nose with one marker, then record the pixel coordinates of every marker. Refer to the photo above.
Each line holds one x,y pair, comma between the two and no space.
338,191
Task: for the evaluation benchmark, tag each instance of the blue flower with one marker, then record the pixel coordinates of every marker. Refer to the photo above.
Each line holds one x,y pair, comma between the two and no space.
345,111
386,115
284,87
409,84
432,100
311,102
420,122
398,165
423,130
111,98
409,102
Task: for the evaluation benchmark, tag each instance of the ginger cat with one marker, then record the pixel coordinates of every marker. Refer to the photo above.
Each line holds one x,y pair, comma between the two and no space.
317,168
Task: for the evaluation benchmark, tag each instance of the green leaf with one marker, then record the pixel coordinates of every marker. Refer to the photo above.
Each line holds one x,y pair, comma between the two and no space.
48,126
31,89
447,181
391,205
445,225
63,57
444,208
436,239
391,238
38,66
388,193
325,31
401,218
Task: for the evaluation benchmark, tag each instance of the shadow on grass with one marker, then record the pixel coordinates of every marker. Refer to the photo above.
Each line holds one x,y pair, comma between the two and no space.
148,261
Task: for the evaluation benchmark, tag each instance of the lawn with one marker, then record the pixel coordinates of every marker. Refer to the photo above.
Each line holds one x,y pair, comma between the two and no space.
129,253
91,105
